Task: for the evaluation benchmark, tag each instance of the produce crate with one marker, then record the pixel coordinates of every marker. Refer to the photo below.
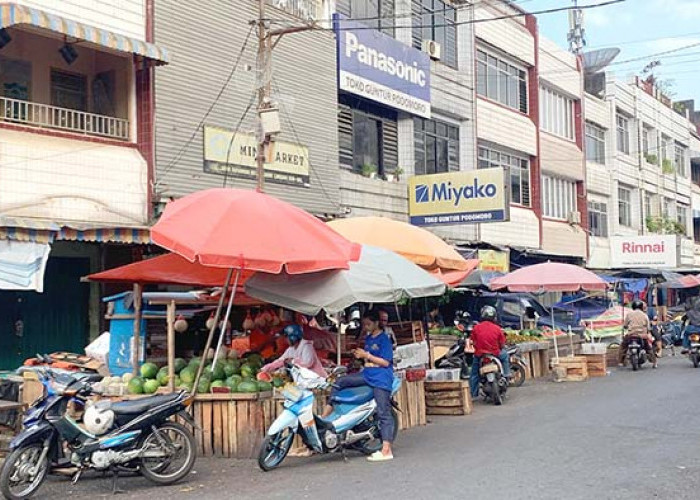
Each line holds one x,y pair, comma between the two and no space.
612,356
448,398
408,332
411,401
570,369
597,365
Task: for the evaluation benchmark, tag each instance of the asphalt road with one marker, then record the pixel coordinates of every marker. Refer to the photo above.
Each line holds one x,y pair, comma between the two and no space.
628,435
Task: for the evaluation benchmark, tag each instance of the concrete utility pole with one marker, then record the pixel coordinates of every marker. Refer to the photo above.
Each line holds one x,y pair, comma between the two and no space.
577,34
267,41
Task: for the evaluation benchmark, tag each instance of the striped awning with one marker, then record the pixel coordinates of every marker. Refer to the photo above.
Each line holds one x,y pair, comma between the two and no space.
12,14
112,235
27,234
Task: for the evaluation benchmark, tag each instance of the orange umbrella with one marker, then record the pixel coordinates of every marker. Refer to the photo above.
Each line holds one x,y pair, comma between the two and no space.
416,244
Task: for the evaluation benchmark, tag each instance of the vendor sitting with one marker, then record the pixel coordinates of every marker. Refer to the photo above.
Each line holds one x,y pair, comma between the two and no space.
301,352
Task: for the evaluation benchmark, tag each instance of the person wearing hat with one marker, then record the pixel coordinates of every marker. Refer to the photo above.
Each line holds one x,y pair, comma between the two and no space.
300,351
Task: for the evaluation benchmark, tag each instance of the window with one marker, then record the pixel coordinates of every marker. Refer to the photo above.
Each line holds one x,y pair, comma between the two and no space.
15,79
648,205
595,143
519,172
598,218
558,197
377,14
367,141
68,90
367,138
436,146
668,208
695,172
623,134
624,205
682,216
501,81
557,113
679,159
436,20
665,148
646,139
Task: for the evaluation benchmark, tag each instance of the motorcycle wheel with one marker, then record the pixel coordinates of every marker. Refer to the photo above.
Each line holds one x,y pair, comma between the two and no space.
518,372
369,446
695,358
496,393
274,449
16,469
179,443
634,359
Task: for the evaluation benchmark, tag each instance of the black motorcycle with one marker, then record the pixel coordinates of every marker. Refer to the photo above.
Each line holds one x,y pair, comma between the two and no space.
492,381
138,435
457,357
518,365
636,352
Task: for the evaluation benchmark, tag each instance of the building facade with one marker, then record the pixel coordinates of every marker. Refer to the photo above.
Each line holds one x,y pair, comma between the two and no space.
76,161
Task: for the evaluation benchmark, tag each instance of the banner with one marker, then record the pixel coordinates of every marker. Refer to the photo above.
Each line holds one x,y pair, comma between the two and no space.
644,251
465,197
493,260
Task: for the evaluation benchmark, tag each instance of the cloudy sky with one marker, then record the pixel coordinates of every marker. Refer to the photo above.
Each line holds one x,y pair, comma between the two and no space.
640,28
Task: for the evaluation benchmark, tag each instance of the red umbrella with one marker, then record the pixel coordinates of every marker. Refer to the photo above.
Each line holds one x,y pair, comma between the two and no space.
549,277
235,228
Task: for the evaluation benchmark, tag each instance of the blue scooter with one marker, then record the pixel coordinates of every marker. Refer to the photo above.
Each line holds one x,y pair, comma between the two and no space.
354,423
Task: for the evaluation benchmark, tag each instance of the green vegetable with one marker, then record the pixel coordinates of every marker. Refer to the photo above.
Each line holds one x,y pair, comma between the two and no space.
135,386
204,385
264,386
162,376
247,370
180,364
232,382
218,373
248,387
218,383
150,386
188,374
149,370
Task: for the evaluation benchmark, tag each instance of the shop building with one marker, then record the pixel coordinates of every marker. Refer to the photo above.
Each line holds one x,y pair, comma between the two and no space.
76,155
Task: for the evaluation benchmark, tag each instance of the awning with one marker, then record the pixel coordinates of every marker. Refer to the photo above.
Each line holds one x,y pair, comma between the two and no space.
22,265
12,14
103,235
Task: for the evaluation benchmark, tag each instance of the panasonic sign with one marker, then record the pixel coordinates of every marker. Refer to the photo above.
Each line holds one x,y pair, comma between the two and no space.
378,67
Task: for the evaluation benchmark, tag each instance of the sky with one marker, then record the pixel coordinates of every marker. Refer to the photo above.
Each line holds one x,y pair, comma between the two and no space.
640,28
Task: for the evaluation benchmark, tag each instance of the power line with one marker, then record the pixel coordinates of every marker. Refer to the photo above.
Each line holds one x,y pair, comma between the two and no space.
235,132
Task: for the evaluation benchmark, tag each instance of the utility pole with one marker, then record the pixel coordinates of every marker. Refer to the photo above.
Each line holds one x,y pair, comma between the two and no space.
268,116
577,34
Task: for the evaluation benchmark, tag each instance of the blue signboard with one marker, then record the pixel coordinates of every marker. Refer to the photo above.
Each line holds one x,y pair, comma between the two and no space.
378,67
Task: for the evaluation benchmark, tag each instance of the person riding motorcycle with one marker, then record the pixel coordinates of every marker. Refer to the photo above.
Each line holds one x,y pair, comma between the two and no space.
300,351
691,321
487,338
637,325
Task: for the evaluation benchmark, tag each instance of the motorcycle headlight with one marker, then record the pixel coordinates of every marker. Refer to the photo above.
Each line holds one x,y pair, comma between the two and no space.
695,337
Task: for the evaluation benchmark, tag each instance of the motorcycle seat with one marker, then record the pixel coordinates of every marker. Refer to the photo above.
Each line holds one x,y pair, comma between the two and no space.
141,405
354,395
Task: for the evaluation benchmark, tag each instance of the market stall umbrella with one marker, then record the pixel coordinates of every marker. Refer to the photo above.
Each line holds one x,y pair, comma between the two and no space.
549,277
418,245
248,230
378,276
688,281
479,280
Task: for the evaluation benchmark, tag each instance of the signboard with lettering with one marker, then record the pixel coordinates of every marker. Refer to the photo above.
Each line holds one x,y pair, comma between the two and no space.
380,68
493,260
643,251
227,154
466,197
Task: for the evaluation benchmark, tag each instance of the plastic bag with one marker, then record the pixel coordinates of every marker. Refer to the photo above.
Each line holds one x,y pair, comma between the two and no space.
99,348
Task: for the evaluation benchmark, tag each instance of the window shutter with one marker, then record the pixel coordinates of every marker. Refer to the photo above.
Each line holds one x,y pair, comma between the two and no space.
390,145
386,12
417,31
525,184
453,155
343,7
345,136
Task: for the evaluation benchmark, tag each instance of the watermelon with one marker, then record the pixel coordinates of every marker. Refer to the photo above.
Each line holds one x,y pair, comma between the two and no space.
150,386
162,376
195,362
180,365
135,386
188,374
185,385
264,386
232,382
218,373
248,370
204,385
277,381
149,370
229,368
248,386
255,359
178,382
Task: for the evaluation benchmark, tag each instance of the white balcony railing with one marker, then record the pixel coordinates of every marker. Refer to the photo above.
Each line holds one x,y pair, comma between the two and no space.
44,115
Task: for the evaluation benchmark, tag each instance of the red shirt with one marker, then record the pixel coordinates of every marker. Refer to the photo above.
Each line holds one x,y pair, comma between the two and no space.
488,338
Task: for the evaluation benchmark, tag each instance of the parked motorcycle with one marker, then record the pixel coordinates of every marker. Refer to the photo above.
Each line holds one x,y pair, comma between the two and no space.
518,365
136,435
636,352
457,357
492,382
354,423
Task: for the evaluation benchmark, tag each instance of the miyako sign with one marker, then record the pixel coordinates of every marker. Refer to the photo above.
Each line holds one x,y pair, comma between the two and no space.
377,67
458,197
643,251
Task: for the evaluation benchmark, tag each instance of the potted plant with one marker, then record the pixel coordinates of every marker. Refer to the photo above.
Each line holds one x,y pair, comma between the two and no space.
651,158
369,170
667,166
398,171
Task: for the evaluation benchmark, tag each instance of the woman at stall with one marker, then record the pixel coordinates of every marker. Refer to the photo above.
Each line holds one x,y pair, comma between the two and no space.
378,373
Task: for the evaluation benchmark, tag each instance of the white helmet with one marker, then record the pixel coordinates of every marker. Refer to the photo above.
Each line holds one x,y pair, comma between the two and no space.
98,419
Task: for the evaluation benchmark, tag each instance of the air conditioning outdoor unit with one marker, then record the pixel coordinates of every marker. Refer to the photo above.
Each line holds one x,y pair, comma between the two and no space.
432,48
574,217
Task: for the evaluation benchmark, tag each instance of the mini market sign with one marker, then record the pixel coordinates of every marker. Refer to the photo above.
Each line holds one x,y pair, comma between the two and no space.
468,197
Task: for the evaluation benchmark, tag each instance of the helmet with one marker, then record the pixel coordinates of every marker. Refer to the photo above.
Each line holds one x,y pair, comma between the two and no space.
98,419
488,313
637,305
293,333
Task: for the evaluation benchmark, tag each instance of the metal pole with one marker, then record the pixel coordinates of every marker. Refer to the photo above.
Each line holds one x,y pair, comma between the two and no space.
222,331
171,345
136,347
554,335
263,82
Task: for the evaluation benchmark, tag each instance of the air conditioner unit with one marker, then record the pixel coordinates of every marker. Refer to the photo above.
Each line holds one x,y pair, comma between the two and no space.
432,48
574,217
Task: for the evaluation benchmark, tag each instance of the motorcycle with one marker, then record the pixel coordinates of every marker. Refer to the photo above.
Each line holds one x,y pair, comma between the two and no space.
492,382
137,435
694,349
352,425
636,352
457,356
518,365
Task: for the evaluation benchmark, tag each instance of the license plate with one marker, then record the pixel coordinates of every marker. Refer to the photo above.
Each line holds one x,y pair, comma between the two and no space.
491,368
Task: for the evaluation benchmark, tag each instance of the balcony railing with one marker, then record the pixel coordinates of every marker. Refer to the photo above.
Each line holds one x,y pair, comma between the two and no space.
44,115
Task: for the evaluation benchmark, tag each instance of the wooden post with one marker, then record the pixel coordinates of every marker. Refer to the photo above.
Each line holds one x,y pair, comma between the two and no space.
136,348
171,345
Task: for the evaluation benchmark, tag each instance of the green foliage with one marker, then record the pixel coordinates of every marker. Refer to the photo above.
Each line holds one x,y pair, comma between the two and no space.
664,225
368,169
667,166
651,158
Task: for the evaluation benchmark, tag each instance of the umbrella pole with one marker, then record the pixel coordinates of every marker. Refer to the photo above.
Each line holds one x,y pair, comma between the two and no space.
554,335
217,315
226,317
337,340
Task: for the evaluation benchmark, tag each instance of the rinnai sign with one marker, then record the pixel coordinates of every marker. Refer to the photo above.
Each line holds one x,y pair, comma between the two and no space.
377,67
458,197
643,251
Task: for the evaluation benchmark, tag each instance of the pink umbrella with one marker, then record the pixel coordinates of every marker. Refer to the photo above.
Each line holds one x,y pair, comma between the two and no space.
549,277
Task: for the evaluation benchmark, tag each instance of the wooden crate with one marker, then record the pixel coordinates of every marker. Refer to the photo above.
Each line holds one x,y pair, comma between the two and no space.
570,369
597,365
411,401
408,332
613,356
448,398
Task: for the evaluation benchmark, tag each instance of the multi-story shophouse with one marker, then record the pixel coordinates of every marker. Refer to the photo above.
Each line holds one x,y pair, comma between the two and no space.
638,147
76,155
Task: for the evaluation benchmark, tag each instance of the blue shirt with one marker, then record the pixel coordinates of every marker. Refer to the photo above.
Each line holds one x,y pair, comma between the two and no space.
377,376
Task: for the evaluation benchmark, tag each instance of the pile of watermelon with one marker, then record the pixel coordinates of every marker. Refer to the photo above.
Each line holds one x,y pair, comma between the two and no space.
238,375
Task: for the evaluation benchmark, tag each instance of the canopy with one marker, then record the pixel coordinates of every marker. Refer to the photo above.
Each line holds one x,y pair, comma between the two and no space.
416,244
241,229
379,276
549,277
479,280
689,281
